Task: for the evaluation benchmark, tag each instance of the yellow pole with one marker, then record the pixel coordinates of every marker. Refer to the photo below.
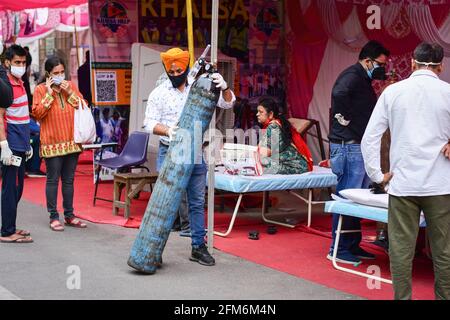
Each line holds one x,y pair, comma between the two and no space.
190,32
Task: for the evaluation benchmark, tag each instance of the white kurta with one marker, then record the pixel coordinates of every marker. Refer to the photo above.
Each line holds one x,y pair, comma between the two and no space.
165,104
417,112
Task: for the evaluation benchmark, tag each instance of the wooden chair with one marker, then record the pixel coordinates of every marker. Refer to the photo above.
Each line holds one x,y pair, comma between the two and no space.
304,125
127,180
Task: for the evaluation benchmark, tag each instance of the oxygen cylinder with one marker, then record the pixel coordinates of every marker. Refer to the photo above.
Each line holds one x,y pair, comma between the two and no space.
174,175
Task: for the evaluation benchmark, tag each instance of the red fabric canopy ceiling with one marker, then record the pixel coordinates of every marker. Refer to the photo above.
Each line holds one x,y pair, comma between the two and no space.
16,5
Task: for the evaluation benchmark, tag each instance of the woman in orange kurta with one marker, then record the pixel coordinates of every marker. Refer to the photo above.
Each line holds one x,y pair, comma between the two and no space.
54,103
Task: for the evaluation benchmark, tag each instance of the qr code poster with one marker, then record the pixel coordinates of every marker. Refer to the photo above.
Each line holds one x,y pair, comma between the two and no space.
106,86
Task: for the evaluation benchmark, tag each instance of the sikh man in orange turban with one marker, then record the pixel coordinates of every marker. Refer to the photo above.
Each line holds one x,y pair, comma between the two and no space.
164,106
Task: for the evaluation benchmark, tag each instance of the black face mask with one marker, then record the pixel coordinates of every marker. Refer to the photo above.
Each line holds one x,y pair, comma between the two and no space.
379,73
177,81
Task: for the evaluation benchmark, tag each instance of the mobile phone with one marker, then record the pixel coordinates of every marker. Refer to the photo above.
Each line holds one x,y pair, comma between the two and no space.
16,161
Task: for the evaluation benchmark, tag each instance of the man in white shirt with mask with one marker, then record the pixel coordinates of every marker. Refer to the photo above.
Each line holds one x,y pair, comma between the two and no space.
417,111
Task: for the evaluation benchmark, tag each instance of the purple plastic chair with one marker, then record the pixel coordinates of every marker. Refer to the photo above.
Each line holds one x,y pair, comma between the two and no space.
133,156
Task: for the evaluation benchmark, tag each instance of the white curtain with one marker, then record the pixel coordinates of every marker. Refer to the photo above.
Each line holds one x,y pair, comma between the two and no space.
65,28
389,14
423,25
337,57
335,60
352,37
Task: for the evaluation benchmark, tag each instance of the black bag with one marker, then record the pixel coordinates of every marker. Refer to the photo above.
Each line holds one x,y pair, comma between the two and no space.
6,92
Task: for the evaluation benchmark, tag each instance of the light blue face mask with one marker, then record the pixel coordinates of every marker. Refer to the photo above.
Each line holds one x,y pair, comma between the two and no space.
370,71
57,80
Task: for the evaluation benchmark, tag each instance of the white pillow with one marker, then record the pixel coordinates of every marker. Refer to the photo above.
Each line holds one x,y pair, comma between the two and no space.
365,197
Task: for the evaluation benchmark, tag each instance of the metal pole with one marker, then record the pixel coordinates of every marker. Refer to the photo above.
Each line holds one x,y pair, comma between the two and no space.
76,36
212,128
190,32
214,30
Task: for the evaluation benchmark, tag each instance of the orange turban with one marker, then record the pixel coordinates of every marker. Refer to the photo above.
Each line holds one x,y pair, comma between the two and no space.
175,56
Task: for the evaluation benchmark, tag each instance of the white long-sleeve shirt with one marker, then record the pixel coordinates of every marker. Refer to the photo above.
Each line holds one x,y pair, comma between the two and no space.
165,104
417,112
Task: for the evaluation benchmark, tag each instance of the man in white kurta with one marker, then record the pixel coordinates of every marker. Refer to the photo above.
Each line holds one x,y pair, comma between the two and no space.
417,112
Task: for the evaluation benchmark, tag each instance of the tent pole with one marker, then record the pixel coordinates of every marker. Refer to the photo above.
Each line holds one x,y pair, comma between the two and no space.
76,36
214,30
190,32
212,128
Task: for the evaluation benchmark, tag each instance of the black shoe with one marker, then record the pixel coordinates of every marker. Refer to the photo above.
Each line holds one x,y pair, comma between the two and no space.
363,254
202,256
382,243
345,257
185,233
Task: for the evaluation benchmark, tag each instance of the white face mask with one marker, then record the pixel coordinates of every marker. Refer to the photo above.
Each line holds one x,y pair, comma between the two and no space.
18,72
58,79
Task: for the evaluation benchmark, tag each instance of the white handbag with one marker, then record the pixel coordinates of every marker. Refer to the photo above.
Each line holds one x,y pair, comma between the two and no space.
84,125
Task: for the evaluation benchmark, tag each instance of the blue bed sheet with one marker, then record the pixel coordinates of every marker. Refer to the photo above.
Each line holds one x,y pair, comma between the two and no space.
318,178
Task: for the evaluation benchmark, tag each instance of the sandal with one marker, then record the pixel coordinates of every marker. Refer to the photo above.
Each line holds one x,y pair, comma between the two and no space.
55,225
20,239
24,233
75,222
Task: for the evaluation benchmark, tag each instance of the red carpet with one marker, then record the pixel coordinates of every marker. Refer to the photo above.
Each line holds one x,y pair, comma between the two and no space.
300,252
83,198
102,211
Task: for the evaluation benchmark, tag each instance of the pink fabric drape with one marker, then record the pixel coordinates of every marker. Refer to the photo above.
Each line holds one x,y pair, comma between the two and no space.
426,27
322,21
305,53
16,5
400,37
37,23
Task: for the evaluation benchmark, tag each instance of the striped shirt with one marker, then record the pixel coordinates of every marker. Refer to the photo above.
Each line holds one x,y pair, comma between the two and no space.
18,118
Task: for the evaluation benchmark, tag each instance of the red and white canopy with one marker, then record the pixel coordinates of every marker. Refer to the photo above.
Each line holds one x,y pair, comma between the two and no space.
15,5
29,20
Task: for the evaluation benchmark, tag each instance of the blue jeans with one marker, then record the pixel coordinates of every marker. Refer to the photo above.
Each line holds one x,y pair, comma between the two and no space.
348,164
185,210
196,200
162,151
